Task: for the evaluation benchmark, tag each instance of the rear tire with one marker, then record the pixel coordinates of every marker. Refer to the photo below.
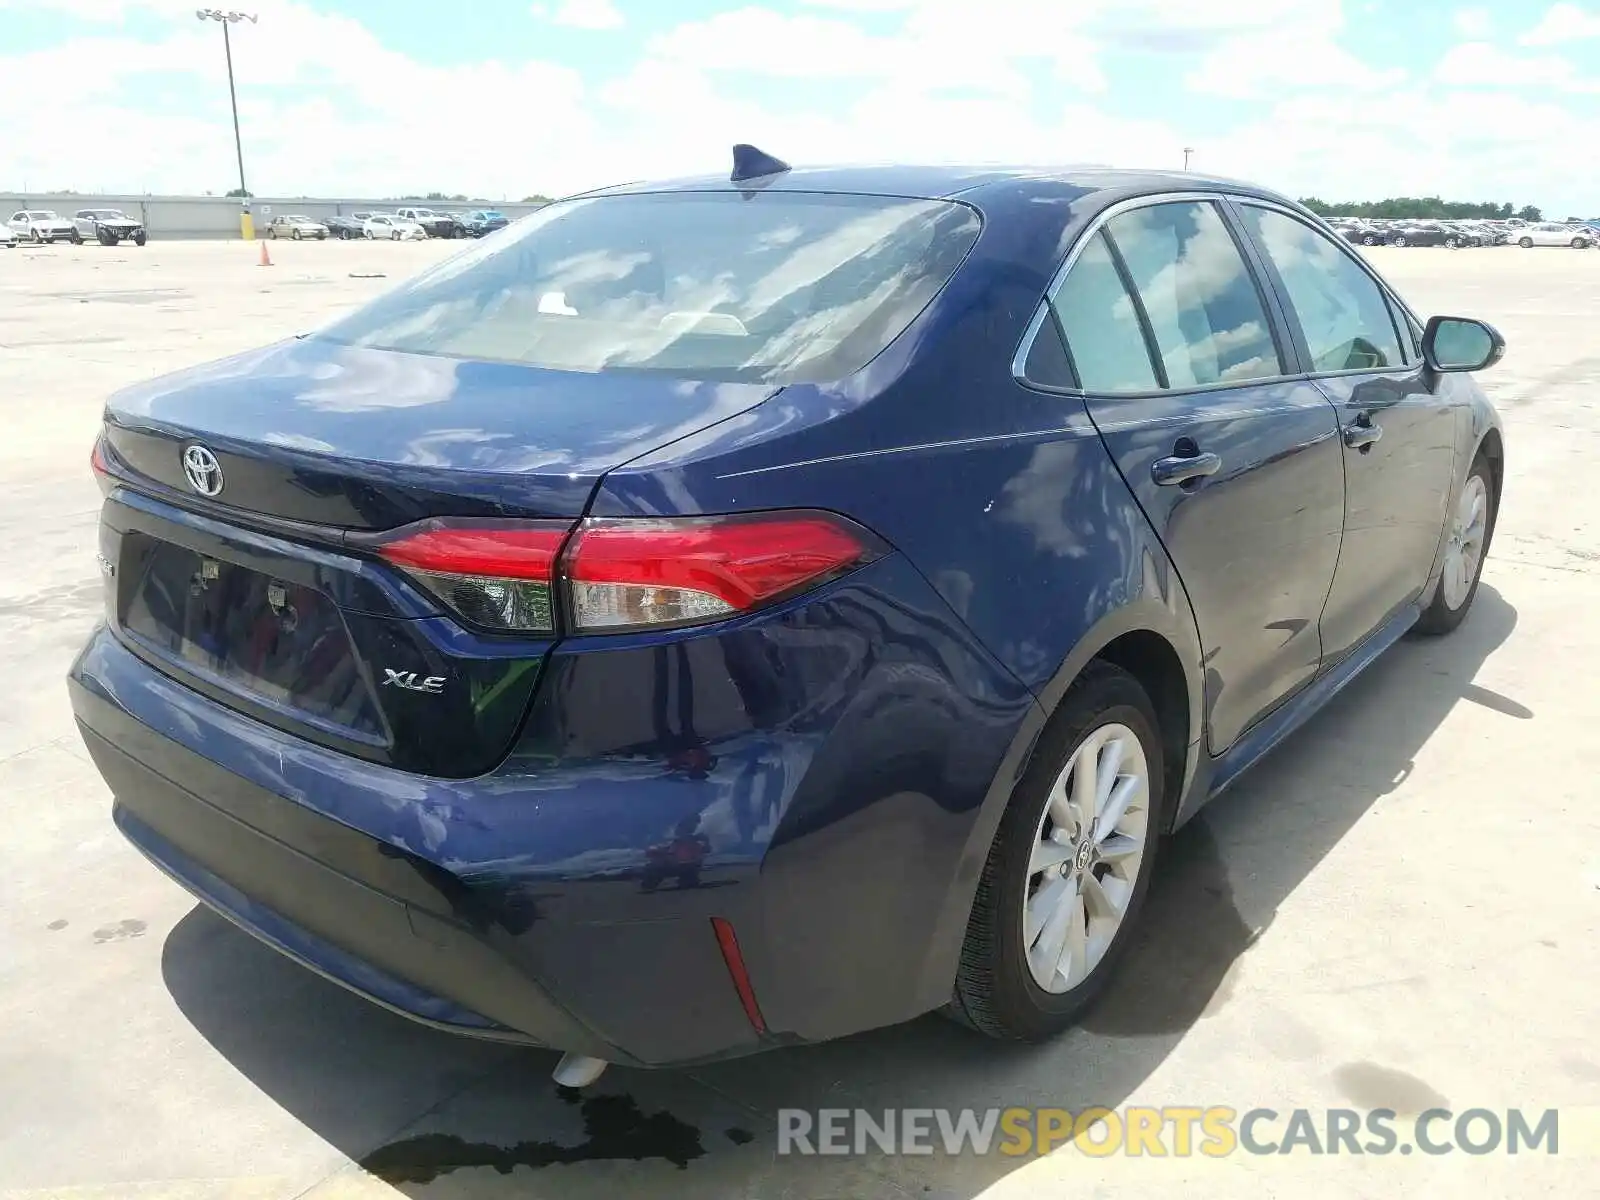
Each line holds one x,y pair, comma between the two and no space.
1399,240
1471,529
998,990
1526,243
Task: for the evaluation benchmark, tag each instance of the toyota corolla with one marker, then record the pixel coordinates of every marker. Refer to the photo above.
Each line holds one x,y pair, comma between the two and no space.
726,613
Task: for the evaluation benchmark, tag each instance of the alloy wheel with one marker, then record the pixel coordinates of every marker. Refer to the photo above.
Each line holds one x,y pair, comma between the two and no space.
1464,551
1086,855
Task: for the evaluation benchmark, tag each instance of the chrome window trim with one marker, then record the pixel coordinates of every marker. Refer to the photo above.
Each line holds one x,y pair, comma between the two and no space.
1042,311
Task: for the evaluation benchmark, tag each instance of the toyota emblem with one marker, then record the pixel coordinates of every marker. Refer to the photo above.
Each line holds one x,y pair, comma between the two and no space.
202,470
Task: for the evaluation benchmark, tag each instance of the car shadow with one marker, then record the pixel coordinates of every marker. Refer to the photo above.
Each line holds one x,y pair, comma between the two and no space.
442,1117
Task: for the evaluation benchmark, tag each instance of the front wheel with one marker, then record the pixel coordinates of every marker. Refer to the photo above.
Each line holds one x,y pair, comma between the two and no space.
395,236
1069,867
1467,544
1453,243
1579,244
294,235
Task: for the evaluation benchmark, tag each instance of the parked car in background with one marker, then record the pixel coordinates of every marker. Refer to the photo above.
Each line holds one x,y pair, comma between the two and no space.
345,228
1419,233
108,226
1551,233
7,238
720,615
1458,235
477,222
437,224
293,225
393,228
43,225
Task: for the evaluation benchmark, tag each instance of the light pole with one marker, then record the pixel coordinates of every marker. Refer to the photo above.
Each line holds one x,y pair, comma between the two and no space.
225,18
1187,151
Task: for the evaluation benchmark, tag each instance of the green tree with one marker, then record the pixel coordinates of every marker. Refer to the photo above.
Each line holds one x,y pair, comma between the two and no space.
238,194
1530,213
536,199
1424,207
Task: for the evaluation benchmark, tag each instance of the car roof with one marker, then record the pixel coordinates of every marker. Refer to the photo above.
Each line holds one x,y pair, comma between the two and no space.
980,184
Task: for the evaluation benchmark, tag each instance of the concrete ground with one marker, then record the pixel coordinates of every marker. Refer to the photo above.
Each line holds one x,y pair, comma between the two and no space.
1399,909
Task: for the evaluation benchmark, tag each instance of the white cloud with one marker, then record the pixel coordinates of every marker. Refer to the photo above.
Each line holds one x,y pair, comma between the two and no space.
1486,65
585,14
1473,23
907,79
1563,23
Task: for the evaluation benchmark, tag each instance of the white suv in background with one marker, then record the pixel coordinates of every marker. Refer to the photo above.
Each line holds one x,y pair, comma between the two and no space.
1551,233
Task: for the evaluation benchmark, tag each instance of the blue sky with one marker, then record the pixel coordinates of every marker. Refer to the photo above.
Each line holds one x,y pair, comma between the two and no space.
502,98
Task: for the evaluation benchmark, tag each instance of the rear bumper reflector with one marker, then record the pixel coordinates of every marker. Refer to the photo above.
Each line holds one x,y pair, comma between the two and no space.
736,970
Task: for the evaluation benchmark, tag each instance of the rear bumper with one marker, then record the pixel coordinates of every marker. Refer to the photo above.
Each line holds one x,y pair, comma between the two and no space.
840,764
382,921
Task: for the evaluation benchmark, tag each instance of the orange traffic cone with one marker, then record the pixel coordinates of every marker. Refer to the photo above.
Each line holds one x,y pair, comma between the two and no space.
266,259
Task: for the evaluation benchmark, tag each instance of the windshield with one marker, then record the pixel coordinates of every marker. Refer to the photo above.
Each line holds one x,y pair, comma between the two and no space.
44,214
779,287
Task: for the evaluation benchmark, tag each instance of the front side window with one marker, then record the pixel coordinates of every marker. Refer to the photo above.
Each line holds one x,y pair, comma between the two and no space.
1101,324
1204,311
1342,311
775,286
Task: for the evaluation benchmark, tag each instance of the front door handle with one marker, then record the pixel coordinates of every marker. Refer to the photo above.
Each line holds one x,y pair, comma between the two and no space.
1184,468
1362,434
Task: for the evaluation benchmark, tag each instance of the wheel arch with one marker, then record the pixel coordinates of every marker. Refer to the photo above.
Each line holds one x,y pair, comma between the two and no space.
1492,448
1154,639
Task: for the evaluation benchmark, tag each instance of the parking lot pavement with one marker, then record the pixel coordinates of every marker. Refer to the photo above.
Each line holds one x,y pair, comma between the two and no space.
1399,909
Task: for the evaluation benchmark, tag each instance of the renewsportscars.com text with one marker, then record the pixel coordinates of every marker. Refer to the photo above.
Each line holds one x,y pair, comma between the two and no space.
1173,1131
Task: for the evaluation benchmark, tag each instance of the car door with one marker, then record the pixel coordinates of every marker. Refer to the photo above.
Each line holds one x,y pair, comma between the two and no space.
19,224
1398,424
1235,462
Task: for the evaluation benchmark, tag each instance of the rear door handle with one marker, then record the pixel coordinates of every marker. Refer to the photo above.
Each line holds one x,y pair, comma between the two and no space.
1362,434
1177,469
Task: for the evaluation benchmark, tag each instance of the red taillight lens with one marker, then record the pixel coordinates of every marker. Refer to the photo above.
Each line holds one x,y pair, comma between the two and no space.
631,574
624,574
97,457
496,575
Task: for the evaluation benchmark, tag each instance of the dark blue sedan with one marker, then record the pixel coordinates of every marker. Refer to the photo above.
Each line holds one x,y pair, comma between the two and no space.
735,612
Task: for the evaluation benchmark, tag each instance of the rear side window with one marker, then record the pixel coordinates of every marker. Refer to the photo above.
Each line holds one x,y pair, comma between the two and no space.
1101,324
1343,313
1204,310
774,286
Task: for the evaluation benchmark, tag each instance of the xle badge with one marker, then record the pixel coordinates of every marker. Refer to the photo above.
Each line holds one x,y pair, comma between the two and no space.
412,682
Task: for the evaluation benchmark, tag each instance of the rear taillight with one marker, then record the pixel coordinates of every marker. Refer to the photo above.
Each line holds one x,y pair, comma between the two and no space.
642,573
624,574
495,575
97,458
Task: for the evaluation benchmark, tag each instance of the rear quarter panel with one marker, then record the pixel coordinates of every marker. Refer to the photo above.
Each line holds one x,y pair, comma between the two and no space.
1002,497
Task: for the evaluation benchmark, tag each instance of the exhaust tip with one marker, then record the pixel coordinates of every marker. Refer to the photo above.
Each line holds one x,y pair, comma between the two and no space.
578,1070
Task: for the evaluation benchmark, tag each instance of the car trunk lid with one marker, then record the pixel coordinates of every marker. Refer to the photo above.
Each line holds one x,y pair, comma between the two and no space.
270,596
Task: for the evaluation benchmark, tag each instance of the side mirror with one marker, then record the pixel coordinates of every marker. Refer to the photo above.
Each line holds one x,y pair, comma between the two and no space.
1461,344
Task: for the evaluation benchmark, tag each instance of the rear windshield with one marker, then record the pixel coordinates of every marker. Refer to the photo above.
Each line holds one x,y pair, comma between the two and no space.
778,287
